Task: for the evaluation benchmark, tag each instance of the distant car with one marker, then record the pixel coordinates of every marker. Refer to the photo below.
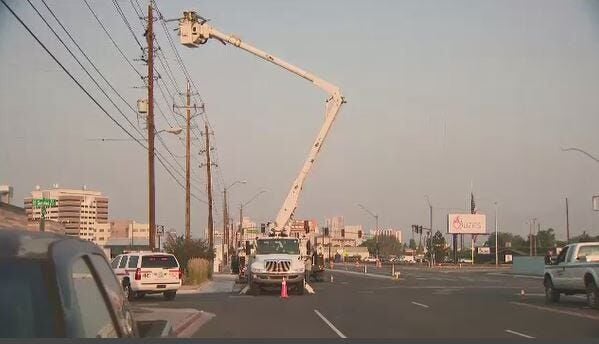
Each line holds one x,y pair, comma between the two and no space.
55,286
369,260
465,260
142,273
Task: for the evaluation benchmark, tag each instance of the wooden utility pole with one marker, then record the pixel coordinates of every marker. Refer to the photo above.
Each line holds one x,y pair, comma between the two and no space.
209,186
567,223
225,239
187,166
150,125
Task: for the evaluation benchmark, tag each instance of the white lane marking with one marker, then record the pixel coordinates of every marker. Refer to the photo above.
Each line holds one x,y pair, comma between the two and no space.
572,313
326,321
244,290
519,334
419,304
309,289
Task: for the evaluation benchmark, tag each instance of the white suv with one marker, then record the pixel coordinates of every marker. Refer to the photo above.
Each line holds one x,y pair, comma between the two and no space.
143,273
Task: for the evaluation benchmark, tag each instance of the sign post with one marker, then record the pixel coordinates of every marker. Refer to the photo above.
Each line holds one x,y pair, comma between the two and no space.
43,203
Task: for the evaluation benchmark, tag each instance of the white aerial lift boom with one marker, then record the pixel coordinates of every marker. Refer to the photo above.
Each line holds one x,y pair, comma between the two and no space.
194,31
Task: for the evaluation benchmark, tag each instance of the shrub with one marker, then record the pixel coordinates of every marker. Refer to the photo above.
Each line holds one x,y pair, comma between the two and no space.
198,271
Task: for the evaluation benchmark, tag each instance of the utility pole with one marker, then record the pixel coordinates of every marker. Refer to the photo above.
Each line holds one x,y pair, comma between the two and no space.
188,118
240,222
209,186
225,241
150,125
187,165
567,223
430,208
531,236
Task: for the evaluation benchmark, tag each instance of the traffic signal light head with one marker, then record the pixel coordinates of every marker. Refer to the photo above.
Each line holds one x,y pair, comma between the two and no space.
263,228
359,234
343,233
306,226
326,231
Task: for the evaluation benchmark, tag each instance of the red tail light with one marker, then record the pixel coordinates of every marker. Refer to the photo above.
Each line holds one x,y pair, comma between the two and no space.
180,273
137,274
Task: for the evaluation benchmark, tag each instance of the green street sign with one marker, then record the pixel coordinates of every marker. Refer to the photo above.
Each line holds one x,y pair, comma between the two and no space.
44,202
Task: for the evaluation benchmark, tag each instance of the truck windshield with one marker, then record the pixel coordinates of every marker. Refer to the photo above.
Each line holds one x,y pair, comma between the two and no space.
274,246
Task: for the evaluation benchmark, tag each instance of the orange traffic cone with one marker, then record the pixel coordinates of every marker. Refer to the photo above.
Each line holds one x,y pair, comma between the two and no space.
284,289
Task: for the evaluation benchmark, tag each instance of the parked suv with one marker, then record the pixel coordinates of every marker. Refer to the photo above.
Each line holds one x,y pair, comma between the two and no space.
143,273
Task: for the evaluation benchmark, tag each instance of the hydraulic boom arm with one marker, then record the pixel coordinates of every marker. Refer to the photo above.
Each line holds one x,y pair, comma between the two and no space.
194,31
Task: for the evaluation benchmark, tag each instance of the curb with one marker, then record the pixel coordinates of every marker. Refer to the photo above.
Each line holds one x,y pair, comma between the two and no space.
189,321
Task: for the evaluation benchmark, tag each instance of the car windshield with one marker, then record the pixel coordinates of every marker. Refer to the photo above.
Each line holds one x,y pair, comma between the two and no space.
277,246
159,261
27,307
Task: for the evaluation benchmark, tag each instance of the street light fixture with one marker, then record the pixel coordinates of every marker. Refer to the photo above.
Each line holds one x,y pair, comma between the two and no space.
241,205
376,228
174,131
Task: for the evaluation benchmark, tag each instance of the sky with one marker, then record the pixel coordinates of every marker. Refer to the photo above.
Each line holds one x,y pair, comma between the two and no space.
443,98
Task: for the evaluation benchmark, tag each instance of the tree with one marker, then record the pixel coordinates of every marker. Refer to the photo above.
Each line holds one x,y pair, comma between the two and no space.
412,244
185,250
383,245
439,246
584,237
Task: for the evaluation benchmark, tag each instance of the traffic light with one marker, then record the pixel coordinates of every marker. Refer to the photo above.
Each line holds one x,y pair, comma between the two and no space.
472,204
359,234
420,229
306,226
263,228
326,231
343,232
242,231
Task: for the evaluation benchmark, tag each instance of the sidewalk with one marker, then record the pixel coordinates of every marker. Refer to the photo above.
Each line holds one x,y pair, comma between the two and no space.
220,283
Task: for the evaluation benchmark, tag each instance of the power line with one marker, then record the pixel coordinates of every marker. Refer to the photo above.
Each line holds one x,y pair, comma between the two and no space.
112,40
94,100
81,65
124,18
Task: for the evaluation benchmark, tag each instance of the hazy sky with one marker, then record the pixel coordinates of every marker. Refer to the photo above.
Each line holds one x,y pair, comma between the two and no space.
441,95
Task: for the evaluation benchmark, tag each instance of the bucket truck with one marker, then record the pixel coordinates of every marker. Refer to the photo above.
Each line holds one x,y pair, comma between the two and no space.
277,256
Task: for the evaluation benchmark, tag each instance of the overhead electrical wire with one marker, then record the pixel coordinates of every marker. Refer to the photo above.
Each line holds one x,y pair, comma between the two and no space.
78,83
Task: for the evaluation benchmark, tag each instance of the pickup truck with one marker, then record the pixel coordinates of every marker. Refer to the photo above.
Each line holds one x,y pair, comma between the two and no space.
575,270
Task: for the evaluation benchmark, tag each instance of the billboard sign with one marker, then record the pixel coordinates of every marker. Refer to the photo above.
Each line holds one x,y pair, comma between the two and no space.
484,250
596,203
466,224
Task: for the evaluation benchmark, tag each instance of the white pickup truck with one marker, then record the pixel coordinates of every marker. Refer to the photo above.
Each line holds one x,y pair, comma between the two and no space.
575,270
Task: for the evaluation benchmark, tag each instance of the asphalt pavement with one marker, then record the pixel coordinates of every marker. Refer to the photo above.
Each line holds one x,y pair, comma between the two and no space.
423,303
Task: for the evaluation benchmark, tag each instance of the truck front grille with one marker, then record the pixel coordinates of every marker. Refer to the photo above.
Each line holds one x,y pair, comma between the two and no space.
278,265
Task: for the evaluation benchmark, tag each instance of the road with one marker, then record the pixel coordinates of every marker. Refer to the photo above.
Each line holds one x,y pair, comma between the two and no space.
421,304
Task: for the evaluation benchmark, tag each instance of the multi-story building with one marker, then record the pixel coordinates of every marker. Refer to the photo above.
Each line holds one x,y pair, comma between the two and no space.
388,232
335,225
6,193
129,229
102,233
79,210
301,228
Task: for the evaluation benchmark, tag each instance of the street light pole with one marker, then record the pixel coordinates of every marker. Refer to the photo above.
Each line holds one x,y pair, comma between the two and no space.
376,228
241,205
226,233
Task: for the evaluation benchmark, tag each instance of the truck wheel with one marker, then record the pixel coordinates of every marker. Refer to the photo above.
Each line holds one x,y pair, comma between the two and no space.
170,295
551,294
592,295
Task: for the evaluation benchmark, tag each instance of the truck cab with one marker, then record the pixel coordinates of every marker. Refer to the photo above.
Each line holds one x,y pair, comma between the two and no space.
575,270
274,259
